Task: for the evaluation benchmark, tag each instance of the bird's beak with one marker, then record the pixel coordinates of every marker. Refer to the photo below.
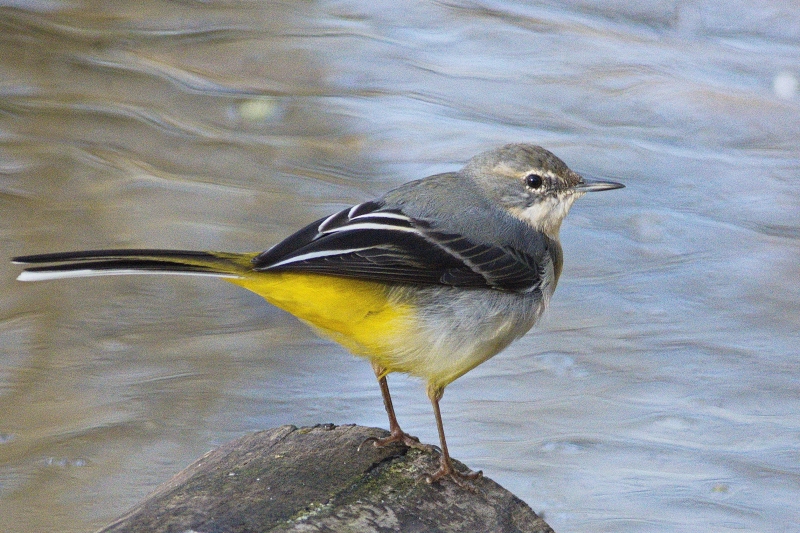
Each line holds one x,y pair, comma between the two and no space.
593,184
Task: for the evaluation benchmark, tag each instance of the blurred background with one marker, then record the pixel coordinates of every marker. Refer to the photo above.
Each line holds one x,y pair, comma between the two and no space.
660,392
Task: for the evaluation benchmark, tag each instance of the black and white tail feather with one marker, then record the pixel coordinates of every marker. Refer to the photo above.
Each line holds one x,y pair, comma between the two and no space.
120,262
368,241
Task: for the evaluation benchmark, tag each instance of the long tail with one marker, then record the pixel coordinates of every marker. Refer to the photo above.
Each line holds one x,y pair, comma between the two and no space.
116,262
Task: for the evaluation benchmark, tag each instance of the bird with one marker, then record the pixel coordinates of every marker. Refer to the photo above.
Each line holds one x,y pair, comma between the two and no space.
431,279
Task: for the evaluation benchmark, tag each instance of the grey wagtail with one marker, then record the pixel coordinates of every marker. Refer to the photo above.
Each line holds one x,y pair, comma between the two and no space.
431,279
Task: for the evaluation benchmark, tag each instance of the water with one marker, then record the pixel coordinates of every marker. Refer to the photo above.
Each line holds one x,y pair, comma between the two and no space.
659,393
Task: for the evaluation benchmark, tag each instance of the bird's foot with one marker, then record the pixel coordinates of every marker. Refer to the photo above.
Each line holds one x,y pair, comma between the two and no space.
462,479
401,437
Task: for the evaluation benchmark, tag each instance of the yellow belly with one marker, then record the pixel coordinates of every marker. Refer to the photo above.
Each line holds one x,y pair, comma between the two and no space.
357,314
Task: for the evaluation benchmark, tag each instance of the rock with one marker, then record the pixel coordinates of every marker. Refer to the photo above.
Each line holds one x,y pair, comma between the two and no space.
314,479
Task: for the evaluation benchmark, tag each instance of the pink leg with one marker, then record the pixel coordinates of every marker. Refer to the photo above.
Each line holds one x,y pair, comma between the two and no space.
445,464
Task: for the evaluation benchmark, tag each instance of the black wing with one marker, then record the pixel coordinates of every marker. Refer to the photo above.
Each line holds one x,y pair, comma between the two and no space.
371,242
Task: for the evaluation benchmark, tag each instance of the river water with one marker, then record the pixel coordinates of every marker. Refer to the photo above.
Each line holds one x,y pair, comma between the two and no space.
660,391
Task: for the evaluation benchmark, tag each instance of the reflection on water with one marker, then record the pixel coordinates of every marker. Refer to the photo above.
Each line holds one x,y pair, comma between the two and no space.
658,394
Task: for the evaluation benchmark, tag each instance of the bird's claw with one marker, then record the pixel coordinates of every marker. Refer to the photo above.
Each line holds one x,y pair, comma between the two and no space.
400,437
462,479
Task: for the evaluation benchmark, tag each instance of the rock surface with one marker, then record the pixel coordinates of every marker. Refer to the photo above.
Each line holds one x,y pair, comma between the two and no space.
313,479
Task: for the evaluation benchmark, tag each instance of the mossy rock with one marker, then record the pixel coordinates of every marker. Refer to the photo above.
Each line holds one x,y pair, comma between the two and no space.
314,479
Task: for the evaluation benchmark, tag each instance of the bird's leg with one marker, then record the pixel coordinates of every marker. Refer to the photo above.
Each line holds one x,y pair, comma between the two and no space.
395,433
445,464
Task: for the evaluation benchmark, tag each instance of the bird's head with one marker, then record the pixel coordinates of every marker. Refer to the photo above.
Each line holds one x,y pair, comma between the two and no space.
532,184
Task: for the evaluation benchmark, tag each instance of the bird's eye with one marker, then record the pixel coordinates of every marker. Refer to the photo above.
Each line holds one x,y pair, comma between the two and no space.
534,181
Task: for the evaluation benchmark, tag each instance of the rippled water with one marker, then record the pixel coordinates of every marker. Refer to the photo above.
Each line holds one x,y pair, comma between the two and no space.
660,393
